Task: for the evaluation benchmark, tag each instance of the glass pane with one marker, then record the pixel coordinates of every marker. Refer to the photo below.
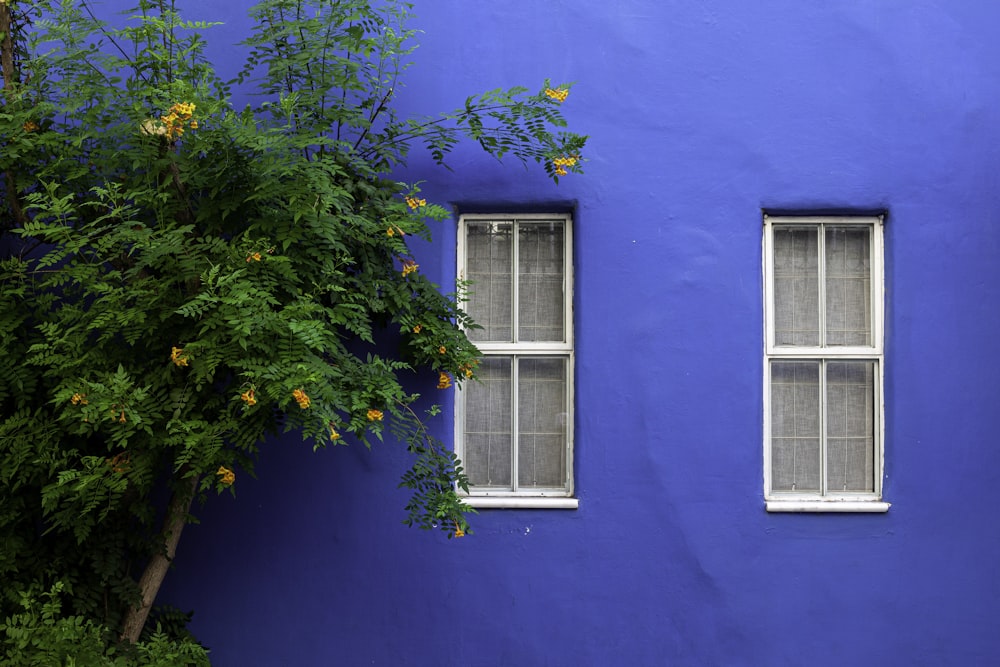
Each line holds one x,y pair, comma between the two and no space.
541,276
796,286
488,438
850,426
795,426
489,266
848,286
542,422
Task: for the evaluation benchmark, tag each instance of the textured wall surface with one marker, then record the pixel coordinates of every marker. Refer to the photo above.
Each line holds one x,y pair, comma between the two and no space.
701,115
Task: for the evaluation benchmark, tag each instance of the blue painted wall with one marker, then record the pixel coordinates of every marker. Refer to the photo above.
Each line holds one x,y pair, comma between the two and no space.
701,114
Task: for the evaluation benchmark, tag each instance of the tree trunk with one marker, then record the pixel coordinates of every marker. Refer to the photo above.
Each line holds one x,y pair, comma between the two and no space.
156,569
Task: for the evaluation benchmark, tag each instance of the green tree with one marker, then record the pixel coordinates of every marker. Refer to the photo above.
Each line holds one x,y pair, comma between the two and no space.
180,279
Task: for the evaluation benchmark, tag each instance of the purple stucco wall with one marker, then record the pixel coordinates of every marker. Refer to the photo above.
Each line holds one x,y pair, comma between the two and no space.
701,115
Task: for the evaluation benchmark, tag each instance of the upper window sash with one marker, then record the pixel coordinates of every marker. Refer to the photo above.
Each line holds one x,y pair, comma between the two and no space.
510,330
819,225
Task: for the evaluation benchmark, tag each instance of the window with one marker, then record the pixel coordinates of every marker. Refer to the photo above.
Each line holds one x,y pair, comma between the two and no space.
514,426
823,364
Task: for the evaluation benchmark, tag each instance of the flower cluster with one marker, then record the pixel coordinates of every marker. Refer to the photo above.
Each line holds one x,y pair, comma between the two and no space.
415,202
30,126
120,463
78,399
558,94
444,380
409,266
560,164
468,369
227,475
375,415
178,116
248,397
178,357
301,398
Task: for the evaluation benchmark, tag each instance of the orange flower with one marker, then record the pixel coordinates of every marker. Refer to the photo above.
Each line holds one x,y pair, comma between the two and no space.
301,398
458,530
30,126
227,475
253,257
558,94
178,357
375,415
442,349
120,463
444,380
248,397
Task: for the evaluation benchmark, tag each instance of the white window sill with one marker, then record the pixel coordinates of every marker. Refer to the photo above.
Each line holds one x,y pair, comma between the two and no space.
877,506
522,502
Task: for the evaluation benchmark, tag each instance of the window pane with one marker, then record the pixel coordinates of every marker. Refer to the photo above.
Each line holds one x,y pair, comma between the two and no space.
488,440
850,426
542,422
795,426
848,286
540,281
796,287
489,264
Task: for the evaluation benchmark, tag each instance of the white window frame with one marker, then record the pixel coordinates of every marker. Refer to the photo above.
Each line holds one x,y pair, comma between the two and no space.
826,501
542,498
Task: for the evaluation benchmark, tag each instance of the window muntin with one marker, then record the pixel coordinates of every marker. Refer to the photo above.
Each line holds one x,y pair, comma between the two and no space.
823,360
514,425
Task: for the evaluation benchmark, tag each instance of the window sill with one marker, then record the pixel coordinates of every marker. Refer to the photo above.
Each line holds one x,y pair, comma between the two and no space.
876,506
522,502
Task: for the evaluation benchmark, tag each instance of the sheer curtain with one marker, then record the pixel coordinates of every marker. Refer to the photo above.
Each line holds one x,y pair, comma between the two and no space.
516,415
822,410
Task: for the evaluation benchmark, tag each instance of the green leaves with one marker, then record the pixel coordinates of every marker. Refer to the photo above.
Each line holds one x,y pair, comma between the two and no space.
181,280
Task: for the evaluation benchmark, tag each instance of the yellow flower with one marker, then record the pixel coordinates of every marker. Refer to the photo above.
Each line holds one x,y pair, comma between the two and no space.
560,171
333,434
414,202
301,398
253,257
120,463
418,328
558,94
390,232
466,370
565,161
178,357
121,419
375,415
442,349
458,530
409,266
227,475
78,399
248,397
30,126
444,380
